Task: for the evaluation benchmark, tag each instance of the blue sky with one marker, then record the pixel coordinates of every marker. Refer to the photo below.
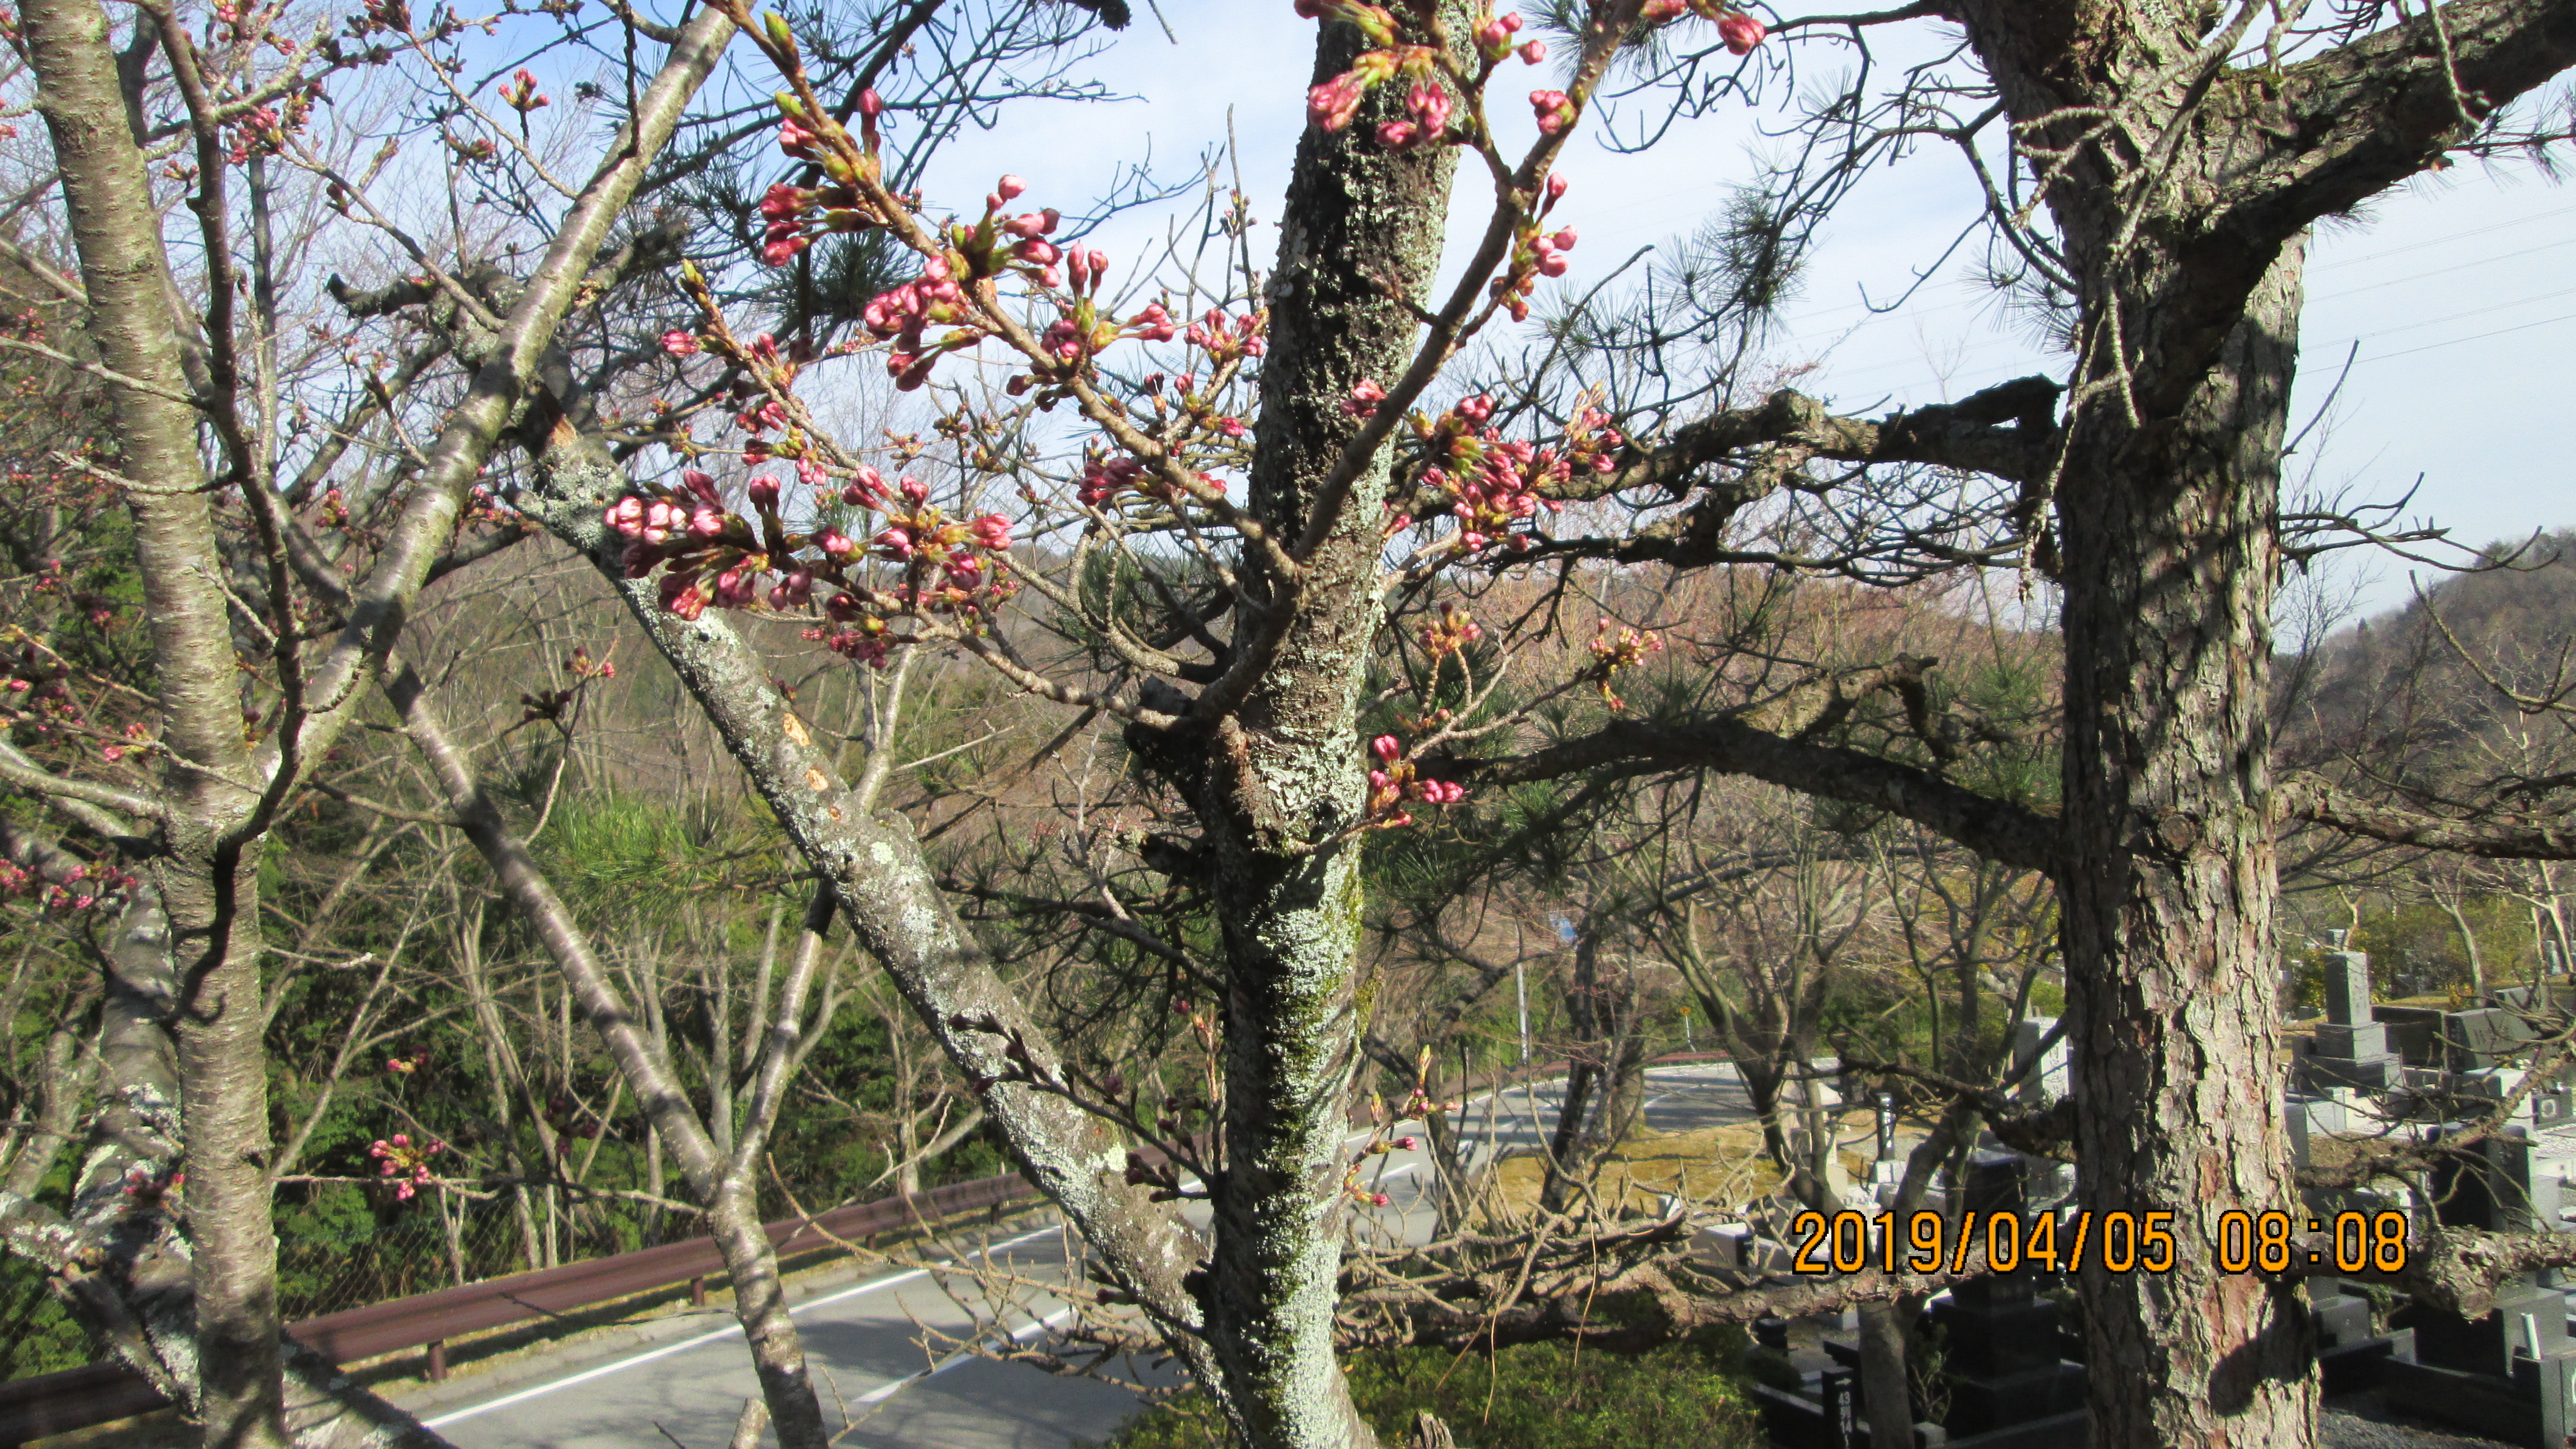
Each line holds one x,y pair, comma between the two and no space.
2458,288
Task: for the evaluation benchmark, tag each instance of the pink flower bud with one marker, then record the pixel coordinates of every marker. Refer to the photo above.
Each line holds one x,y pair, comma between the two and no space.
763,491
1741,32
1386,747
1010,188
1533,52
702,484
679,343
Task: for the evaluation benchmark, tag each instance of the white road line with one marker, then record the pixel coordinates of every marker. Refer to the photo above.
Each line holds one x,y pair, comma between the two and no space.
883,1392
685,1344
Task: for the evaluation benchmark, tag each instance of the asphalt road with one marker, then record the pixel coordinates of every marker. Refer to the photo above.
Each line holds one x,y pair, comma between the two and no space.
864,1341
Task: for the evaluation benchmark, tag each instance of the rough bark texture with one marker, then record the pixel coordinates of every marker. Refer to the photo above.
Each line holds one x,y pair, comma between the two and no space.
1282,769
206,876
2184,228
2169,886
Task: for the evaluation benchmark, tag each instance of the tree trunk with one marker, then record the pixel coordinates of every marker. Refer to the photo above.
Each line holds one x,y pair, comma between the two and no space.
2171,562
207,876
760,1306
1284,770
1885,1396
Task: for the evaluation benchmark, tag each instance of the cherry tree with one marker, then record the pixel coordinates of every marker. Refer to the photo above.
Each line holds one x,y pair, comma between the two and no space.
2162,169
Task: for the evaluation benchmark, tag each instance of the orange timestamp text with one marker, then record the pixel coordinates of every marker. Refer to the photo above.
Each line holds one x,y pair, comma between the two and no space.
2120,1242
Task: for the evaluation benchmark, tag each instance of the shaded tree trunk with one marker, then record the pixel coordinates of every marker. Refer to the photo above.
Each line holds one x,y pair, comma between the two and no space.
2171,562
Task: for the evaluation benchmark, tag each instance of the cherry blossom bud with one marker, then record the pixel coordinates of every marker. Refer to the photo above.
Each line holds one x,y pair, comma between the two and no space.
706,522
1364,398
763,492
1554,109
1564,240
699,483
680,343
871,105
1010,188
1386,747
836,545
1741,32
1556,189
1533,52
913,488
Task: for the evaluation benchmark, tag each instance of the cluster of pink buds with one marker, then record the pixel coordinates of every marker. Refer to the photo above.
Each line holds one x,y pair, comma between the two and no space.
404,1066
81,888
259,133
899,314
1740,31
1490,484
1613,653
793,216
1536,253
1104,478
711,556
150,1187
1426,118
582,666
1554,110
1396,780
1494,39
1453,631
1083,329
520,93
1358,1191
398,1158
1365,395
1225,338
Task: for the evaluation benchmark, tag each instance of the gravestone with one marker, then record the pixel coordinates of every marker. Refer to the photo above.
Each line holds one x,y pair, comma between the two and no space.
1818,1093
2351,1048
2482,1039
2510,1373
2055,1075
2000,1336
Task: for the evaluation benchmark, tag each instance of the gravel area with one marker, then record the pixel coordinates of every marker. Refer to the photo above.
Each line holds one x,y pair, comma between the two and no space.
2360,1421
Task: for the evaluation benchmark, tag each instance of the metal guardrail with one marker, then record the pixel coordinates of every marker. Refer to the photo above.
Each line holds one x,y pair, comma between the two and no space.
57,1403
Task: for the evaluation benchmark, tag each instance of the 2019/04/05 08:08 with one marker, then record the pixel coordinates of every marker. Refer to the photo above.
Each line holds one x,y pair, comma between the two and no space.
2122,1242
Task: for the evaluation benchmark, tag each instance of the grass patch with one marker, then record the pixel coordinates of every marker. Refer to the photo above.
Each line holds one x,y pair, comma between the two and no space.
1723,1165
1529,1396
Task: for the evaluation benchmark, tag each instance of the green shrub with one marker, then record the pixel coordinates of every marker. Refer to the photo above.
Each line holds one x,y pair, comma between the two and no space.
1685,1395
